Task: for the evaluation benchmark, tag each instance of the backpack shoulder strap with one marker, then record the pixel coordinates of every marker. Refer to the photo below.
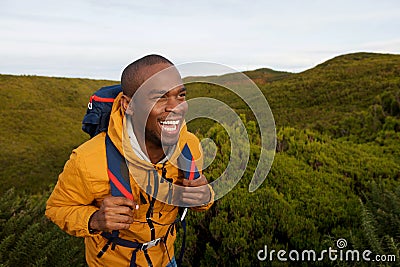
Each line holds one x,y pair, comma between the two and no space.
117,171
187,164
120,186
120,183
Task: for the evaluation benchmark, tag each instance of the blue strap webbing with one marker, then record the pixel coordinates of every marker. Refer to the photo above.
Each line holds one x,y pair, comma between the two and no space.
186,163
120,187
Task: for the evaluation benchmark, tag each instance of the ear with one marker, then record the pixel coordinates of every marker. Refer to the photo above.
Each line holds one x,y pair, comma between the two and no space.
125,105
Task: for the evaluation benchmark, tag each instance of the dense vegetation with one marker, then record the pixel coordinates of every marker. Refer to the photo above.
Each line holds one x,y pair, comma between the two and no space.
40,125
335,175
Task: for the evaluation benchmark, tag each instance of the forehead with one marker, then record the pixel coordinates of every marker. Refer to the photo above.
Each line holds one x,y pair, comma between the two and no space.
160,78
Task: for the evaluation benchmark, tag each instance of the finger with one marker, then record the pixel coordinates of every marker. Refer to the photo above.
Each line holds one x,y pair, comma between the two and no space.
123,201
190,202
190,197
113,210
117,218
195,189
106,221
202,180
117,226
193,202
203,196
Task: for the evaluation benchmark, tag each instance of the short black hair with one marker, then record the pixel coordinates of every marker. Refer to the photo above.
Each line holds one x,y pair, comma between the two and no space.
132,77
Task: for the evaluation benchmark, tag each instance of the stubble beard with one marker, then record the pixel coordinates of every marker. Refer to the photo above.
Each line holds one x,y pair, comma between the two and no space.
152,136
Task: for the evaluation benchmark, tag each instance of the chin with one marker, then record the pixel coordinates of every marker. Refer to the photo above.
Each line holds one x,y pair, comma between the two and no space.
169,142
161,140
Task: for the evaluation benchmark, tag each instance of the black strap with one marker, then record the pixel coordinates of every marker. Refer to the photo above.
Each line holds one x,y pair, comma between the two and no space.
104,249
146,254
182,252
114,234
163,179
115,240
133,258
149,214
125,243
120,241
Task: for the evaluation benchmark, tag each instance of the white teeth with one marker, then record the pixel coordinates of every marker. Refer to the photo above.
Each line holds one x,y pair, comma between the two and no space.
170,122
169,126
170,129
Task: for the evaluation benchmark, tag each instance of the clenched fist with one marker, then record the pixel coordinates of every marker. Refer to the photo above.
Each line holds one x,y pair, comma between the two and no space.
196,192
115,213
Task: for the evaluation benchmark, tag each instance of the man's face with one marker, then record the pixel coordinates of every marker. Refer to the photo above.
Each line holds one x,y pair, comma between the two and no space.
160,106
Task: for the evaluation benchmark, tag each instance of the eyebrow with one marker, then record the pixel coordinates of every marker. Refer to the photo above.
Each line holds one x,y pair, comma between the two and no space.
163,92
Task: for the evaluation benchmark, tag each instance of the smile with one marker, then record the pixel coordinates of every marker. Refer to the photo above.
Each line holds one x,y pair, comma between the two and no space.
169,126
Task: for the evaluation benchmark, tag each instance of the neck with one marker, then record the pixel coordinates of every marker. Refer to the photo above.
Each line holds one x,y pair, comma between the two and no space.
153,151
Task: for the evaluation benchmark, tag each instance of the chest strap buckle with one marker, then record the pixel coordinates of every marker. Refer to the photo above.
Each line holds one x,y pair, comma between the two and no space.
150,244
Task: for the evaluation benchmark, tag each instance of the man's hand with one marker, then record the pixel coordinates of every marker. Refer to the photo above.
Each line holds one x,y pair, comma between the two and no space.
115,213
193,195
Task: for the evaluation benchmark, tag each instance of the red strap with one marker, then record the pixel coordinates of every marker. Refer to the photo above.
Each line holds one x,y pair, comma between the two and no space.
192,170
101,99
119,185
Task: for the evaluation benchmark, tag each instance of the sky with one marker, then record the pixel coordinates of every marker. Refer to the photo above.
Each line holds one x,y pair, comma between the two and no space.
98,38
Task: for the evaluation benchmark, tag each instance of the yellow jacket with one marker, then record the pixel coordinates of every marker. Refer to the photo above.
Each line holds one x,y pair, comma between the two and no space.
84,183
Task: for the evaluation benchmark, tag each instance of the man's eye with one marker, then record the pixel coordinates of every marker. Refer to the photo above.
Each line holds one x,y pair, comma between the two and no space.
182,95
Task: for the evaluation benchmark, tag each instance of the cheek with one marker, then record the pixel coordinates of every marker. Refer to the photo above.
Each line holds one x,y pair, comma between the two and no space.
184,107
144,108
142,116
153,116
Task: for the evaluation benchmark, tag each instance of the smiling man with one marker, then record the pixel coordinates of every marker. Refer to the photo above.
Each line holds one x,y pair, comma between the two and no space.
158,106
147,128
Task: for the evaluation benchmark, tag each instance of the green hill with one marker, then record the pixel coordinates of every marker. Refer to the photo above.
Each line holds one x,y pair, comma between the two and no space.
40,116
336,173
322,96
259,76
342,86
40,125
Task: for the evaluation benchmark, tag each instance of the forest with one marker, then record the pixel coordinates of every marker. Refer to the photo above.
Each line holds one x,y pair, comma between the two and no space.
335,173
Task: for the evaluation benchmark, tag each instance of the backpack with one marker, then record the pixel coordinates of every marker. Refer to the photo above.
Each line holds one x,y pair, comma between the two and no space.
95,121
99,109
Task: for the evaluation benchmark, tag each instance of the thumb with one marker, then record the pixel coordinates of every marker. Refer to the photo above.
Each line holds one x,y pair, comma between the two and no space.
202,180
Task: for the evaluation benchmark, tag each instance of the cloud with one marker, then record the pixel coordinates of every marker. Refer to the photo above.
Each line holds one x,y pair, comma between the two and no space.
97,38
